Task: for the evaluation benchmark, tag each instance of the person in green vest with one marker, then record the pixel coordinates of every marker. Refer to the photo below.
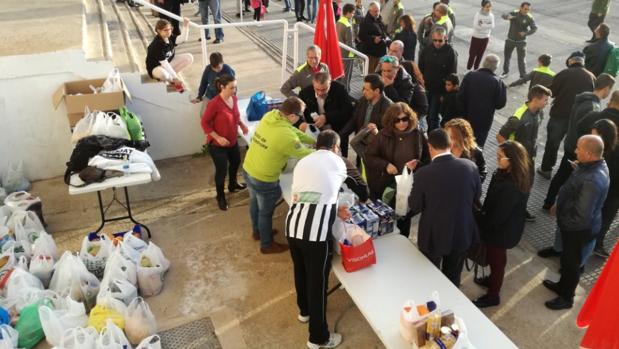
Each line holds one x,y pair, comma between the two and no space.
599,10
542,75
521,25
450,12
345,34
442,11
523,126
304,74
275,141
394,19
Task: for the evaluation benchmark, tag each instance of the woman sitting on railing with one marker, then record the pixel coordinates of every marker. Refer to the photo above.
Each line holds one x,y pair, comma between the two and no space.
161,61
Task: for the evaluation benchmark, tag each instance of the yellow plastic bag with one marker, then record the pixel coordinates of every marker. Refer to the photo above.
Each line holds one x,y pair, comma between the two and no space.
99,315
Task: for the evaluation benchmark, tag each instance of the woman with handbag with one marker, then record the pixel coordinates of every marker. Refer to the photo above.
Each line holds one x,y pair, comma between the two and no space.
398,144
220,122
463,144
503,216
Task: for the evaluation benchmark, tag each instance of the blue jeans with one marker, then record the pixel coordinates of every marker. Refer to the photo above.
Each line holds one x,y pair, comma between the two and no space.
434,105
263,197
287,5
214,6
311,10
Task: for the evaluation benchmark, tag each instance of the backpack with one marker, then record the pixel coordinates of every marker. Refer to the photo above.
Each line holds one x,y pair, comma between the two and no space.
612,62
257,107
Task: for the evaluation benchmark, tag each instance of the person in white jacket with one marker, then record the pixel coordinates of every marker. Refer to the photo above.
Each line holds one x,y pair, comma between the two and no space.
483,23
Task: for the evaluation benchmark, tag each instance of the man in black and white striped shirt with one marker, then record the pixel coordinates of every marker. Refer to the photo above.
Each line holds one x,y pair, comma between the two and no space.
317,179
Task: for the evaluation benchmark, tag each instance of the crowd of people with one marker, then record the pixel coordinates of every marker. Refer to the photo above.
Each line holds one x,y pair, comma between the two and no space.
417,114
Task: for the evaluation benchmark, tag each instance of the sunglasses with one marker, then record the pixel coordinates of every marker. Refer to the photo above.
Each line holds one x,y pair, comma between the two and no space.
405,119
437,40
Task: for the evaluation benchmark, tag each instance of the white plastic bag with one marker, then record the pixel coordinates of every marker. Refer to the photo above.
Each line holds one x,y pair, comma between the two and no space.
56,322
404,184
45,245
140,321
120,289
463,341
118,267
111,125
21,200
5,214
44,253
95,253
13,179
151,268
20,280
62,272
131,246
71,274
79,338
152,342
113,82
8,337
83,128
26,226
112,337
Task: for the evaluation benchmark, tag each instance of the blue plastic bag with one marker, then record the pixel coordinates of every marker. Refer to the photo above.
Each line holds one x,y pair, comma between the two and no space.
257,107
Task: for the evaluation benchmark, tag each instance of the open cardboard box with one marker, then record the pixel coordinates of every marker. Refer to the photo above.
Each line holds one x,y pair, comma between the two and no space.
77,103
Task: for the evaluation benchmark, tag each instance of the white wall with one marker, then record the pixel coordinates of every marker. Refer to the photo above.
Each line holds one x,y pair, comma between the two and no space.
33,132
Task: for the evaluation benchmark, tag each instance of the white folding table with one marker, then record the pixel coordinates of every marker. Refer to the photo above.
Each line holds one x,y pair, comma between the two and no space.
112,183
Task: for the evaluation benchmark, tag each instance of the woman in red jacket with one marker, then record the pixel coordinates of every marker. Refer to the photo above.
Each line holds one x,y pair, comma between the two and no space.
220,122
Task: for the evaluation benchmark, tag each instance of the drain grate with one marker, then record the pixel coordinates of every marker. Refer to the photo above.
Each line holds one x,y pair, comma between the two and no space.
198,334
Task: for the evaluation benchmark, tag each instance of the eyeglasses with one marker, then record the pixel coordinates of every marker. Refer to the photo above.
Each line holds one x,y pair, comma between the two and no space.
404,119
437,40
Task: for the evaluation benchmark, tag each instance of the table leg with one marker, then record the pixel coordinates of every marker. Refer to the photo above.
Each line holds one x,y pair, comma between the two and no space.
101,211
130,215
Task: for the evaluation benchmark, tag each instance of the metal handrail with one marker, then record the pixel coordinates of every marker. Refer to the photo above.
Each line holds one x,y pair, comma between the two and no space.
201,27
295,59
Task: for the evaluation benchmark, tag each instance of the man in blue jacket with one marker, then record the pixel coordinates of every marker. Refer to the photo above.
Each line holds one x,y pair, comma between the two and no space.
579,216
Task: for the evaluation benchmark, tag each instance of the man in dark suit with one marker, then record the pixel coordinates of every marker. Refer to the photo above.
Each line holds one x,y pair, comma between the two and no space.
328,106
444,192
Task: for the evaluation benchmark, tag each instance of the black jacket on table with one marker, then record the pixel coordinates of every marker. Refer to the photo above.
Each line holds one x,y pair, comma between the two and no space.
444,192
481,93
436,64
566,85
368,29
580,199
596,55
504,212
338,106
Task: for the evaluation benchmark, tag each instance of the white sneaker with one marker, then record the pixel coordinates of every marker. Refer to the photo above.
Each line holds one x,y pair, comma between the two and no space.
303,319
334,340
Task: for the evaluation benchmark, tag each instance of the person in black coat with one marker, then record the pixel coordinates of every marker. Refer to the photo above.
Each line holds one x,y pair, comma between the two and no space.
597,53
447,228
436,62
398,83
481,93
503,215
173,6
337,107
463,144
407,35
373,36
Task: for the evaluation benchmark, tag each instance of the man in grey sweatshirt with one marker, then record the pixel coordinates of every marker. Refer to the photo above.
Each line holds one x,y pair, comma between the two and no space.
521,25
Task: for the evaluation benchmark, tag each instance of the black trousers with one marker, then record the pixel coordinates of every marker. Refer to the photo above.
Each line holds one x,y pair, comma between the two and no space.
594,21
312,264
450,265
609,212
226,159
556,130
173,6
299,8
571,257
557,181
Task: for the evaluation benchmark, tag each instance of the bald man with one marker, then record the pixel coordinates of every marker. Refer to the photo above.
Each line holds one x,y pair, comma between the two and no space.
579,217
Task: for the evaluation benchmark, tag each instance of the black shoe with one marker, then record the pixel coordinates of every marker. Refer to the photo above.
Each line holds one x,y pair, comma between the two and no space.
558,304
529,217
600,252
233,188
551,285
487,301
218,41
548,252
544,173
222,203
483,282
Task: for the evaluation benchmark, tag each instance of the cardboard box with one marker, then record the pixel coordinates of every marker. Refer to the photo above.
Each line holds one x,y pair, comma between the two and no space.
77,103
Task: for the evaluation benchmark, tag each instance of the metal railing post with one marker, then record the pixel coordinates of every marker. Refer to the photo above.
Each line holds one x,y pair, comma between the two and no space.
241,8
295,45
205,60
284,51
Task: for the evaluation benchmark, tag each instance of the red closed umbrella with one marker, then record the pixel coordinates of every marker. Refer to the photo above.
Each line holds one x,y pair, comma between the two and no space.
326,38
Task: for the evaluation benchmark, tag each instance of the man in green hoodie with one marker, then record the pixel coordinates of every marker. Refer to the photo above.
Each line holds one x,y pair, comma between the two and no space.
275,141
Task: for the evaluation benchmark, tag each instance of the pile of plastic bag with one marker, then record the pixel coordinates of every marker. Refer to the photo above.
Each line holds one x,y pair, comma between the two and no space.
91,299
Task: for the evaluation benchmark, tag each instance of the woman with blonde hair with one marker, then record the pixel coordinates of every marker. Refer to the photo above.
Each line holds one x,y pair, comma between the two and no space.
463,144
398,144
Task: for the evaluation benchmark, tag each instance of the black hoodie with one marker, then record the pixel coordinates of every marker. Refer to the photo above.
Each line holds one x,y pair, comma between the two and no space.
583,103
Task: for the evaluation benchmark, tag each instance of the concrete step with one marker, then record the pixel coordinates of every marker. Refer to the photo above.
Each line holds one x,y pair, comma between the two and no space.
94,32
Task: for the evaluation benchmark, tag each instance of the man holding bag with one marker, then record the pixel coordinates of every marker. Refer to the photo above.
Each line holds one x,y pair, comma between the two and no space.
444,192
316,183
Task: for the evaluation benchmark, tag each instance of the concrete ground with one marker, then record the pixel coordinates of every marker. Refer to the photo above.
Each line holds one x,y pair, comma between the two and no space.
217,270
